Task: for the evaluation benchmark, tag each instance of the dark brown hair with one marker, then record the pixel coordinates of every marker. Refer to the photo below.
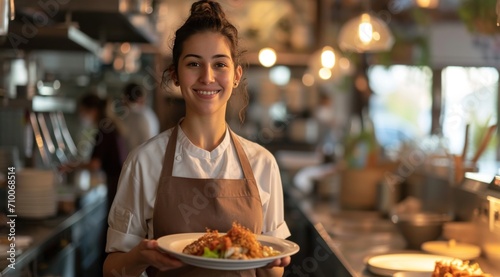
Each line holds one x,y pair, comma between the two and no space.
206,15
132,92
91,101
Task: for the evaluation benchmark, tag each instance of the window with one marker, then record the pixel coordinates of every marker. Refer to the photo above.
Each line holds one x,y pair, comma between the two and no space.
469,97
401,104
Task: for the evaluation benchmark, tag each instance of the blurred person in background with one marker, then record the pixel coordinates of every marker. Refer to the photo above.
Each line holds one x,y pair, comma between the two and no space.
109,147
140,120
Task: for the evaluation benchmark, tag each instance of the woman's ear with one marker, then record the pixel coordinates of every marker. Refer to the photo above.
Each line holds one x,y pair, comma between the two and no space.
173,76
237,75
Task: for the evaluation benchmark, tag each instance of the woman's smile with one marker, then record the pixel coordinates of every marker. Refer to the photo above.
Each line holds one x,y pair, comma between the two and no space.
206,94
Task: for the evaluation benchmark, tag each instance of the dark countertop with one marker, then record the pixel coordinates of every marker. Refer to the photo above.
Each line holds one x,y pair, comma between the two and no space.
45,231
355,236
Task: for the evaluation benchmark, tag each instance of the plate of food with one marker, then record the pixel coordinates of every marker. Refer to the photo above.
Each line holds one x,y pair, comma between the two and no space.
421,265
389,264
238,249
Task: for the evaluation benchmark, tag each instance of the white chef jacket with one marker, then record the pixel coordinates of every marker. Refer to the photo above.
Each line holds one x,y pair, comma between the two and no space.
131,216
142,124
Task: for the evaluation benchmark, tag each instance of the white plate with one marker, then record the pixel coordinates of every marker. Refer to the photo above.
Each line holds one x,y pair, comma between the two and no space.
459,250
387,265
174,244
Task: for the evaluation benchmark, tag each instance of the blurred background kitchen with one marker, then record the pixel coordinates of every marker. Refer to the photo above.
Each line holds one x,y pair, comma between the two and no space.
381,114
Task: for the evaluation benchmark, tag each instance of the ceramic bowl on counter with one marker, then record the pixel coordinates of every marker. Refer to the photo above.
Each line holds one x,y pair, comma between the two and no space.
466,232
420,227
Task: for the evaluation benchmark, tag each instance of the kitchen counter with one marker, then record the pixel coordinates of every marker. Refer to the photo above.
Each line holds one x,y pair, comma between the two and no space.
59,240
354,236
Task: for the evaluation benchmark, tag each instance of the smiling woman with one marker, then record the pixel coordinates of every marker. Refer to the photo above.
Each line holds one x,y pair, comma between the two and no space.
199,174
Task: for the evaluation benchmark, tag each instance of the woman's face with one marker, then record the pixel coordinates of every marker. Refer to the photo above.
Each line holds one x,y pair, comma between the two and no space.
206,73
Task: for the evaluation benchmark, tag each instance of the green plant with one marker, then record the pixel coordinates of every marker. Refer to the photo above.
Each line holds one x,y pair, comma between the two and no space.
479,16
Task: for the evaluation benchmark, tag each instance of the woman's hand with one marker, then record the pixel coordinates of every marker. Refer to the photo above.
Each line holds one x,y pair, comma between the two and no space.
279,262
149,253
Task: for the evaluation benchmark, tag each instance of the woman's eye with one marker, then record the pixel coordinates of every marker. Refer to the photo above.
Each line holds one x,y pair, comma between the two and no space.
193,64
220,65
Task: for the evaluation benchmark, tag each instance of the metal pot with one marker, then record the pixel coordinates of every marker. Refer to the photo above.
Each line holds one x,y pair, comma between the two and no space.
418,228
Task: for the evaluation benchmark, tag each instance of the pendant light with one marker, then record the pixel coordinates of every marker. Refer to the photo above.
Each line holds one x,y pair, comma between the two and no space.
326,64
427,4
365,33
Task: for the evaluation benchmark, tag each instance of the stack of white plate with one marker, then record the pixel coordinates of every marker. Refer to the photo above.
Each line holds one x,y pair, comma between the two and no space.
36,194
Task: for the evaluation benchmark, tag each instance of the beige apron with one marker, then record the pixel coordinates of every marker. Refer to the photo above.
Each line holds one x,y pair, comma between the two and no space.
192,205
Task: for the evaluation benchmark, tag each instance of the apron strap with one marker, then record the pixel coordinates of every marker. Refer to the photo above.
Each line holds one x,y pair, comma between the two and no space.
168,160
245,164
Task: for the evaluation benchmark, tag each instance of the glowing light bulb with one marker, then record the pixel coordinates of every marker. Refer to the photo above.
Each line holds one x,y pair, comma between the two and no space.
328,57
365,29
267,57
428,4
325,73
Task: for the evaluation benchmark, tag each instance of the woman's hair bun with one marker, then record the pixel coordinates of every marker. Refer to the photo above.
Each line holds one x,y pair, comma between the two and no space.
207,8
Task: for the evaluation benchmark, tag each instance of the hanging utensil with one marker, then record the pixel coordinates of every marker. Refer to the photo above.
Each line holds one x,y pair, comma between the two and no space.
66,135
484,143
39,140
56,130
4,17
466,142
7,13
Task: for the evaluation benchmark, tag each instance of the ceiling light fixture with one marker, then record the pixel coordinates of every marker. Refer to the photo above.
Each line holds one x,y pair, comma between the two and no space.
327,64
365,33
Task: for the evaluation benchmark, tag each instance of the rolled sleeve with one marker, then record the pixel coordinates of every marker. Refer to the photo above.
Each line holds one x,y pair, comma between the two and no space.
121,242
